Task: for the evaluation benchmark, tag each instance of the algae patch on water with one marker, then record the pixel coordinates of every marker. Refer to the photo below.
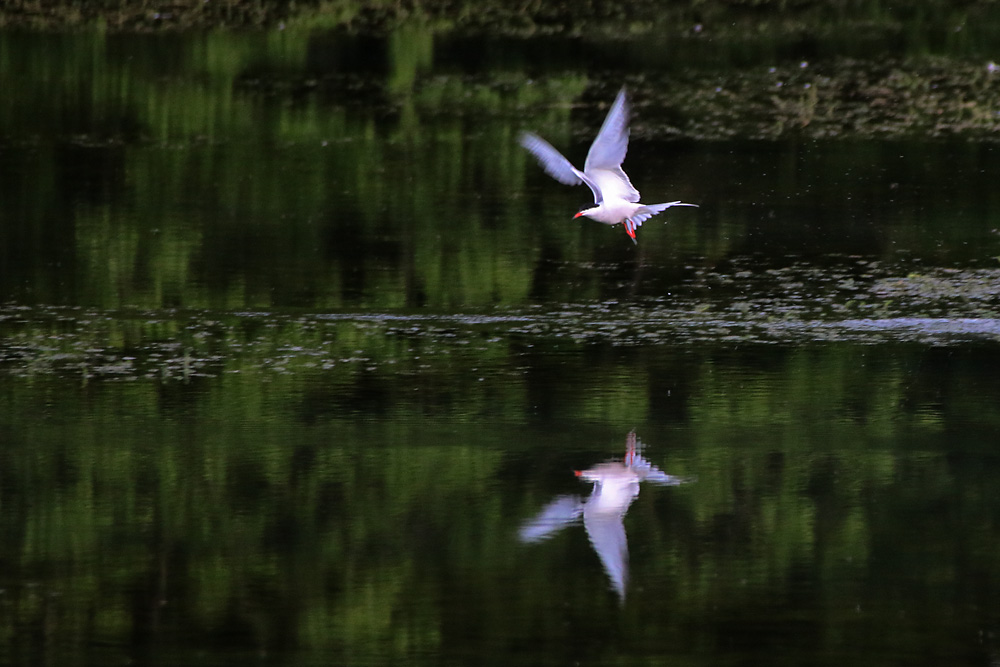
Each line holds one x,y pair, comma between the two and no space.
859,300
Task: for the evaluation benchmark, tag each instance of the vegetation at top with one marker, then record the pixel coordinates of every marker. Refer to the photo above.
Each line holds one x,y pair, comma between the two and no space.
738,17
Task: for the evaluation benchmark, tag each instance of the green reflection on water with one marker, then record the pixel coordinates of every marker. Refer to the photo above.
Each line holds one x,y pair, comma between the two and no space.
166,182
258,171
247,512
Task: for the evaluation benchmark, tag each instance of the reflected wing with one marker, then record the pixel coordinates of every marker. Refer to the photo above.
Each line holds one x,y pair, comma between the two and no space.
555,165
607,536
604,160
561,512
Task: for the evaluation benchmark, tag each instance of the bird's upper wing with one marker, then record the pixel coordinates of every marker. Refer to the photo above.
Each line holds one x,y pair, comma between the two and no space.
557,166
608,151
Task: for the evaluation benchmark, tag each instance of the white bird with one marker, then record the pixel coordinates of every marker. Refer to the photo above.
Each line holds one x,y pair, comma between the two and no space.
615,198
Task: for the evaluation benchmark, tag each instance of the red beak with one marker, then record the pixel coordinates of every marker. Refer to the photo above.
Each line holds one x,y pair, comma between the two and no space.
578,215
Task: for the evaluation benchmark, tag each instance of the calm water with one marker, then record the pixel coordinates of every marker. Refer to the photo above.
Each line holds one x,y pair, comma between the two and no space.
301,353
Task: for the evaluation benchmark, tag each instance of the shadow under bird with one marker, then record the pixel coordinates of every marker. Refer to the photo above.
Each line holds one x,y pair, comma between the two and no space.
616,485
616,201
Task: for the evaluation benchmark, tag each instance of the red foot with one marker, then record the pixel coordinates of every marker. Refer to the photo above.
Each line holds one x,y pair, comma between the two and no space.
630,230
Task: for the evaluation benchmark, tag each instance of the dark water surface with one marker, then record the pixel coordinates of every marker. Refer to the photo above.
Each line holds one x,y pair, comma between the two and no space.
299,353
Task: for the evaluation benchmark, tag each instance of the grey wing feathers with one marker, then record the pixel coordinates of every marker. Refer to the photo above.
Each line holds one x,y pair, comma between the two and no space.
611,144
552,161
555,165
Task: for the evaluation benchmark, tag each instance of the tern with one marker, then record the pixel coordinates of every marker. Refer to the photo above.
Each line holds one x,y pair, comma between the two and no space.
615,198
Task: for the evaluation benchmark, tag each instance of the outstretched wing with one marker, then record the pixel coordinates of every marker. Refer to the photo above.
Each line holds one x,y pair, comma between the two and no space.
604,160
611,144
555,165
552,161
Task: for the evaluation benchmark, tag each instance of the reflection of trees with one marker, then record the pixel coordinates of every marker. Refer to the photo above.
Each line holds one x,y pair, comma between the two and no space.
192,171
245,507
375,214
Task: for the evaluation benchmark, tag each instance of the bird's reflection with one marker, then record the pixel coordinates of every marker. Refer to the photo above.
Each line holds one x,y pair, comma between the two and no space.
616,485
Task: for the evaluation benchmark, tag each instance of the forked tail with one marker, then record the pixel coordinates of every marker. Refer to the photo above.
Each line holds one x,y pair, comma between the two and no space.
644,213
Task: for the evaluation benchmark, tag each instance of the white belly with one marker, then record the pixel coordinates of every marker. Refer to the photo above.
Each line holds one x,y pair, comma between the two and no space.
612,212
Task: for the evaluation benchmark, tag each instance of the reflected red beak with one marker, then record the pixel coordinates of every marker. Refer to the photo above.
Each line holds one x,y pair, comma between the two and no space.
577,472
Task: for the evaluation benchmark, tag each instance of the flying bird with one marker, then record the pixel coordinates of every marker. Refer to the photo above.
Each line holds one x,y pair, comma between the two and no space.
615,198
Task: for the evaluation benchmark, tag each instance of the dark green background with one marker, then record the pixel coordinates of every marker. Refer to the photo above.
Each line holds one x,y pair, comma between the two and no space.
295,337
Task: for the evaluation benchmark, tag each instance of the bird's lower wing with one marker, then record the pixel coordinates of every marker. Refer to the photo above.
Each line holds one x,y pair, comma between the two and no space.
555,165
